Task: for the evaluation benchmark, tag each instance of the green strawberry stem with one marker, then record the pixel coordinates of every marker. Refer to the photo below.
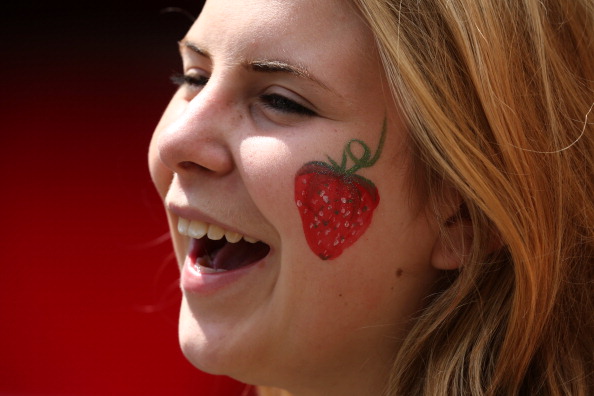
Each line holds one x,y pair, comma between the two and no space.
364,161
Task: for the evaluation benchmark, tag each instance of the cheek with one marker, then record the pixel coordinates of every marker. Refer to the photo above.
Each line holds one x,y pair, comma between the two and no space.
261,157
268,169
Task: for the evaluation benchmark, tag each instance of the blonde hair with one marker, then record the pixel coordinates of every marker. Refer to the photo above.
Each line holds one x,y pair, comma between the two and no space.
498,96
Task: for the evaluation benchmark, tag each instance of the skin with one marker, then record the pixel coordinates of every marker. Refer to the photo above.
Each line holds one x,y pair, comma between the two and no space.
223,154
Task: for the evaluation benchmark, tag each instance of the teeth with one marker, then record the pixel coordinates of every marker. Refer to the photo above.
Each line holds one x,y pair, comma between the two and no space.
182,226
197,229
215,232
207,270
203,267
233,237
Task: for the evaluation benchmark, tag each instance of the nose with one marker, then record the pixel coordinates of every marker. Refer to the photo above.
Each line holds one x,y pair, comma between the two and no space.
196,139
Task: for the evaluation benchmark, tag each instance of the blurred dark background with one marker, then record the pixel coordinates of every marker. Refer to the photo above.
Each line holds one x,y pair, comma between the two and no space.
88,285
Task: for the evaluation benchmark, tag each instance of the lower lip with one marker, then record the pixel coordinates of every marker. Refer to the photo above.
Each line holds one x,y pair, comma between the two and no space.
194,281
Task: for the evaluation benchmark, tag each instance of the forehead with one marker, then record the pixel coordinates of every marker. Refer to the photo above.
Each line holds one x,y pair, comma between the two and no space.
301,29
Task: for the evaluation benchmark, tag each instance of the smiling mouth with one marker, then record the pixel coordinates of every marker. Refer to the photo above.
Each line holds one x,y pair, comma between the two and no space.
214,249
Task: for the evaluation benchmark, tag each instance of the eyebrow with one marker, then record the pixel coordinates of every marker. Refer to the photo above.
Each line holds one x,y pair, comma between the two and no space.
274,66
191,46
264,65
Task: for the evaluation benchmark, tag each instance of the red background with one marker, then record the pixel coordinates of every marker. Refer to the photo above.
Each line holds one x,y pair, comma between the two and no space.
88,286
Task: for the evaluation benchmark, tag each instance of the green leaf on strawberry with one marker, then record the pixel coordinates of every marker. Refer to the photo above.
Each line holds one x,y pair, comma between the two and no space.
335,204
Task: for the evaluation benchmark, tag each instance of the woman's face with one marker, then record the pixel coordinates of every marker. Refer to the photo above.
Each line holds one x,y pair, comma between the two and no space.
269,87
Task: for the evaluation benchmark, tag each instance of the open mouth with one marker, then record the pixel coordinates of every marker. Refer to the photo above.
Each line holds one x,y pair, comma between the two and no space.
214,249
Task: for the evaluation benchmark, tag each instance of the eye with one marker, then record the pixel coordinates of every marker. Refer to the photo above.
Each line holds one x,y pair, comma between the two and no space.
190,80
285,105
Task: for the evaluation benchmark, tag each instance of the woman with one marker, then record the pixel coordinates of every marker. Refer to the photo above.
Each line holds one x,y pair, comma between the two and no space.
385,197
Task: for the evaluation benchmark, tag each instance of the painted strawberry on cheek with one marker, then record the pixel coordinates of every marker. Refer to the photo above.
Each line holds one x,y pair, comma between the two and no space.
335,204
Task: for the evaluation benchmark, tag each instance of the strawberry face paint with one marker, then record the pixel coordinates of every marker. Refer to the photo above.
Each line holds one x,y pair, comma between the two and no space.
335,204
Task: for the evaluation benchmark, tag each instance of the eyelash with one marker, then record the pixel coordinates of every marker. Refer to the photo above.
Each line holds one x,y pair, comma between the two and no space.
185,79
285,105
272,101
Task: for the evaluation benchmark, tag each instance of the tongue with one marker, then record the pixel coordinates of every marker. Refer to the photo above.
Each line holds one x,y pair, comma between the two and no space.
237,255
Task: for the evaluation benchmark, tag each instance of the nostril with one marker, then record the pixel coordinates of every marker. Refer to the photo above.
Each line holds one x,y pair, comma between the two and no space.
186,164
189,165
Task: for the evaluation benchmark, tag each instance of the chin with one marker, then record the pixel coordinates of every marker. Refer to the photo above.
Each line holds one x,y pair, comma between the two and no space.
201,351
214,350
